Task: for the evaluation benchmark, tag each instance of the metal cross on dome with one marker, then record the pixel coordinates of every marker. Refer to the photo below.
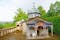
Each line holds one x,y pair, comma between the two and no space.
34,5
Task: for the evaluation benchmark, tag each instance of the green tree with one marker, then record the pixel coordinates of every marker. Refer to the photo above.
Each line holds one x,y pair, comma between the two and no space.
41,10
54,9
20,15
56,23
54,16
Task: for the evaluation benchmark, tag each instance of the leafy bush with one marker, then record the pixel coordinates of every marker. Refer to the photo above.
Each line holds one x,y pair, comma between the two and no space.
1,26
56,23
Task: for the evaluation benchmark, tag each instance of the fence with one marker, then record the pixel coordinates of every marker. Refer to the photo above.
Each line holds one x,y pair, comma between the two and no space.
8,30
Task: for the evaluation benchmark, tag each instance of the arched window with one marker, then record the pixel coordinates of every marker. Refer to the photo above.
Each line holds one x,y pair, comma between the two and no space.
40,27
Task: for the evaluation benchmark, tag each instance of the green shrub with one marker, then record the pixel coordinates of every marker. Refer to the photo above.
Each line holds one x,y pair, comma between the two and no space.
56,23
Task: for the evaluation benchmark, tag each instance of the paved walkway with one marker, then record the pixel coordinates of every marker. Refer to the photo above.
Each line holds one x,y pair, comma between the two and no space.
17,36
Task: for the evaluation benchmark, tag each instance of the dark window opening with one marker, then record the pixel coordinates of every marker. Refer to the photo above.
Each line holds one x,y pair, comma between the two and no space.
17,25
38,32
31,35
40,27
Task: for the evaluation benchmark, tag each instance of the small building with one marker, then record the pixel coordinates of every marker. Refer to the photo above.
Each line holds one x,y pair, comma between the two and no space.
38,28
35,27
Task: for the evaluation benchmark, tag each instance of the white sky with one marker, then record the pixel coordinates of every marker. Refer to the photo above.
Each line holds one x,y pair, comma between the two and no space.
9,7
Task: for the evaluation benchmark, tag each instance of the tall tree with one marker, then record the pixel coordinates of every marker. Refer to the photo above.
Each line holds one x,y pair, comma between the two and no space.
54,16
42,12
54,9
20,15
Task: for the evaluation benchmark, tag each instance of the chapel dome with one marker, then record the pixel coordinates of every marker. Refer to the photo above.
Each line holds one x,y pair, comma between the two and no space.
34,12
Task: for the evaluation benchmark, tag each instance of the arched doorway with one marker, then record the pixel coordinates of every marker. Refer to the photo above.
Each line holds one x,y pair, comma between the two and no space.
39,28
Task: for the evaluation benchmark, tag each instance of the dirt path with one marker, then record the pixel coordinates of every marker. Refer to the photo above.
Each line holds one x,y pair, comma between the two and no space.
19,36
